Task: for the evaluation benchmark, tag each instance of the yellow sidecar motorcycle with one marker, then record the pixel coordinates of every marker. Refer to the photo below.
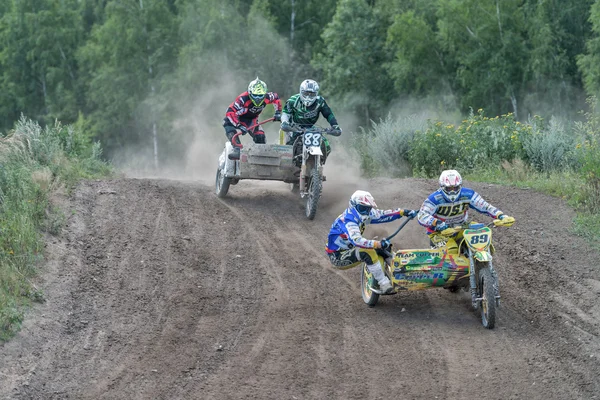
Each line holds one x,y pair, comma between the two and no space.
460,257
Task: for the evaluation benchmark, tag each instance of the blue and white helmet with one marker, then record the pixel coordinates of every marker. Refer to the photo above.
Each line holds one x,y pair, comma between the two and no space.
309,91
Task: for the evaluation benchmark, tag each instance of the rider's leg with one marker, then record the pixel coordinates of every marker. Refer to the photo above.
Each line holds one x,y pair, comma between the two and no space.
346,259
370,257
326,149
290,137
230,131
259,136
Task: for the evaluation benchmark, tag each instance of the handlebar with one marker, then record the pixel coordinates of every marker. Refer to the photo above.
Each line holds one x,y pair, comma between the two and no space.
506,221
406,221
318,129
237,134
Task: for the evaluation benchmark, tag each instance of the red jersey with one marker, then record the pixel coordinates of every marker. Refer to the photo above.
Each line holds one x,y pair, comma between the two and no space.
243,109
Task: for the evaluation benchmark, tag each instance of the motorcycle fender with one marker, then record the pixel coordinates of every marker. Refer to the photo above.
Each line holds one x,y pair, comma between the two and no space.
315,151
225,164
483,256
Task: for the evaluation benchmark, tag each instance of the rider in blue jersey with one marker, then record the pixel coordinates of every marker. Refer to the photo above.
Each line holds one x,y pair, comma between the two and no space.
347,248
449,205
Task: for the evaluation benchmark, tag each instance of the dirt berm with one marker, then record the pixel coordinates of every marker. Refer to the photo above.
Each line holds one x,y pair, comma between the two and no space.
157,289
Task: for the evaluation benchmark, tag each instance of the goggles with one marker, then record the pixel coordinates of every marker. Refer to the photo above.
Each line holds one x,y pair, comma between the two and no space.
363,210
452,189
309,94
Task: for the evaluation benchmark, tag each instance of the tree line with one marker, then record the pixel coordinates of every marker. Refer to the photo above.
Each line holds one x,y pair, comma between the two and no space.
130,72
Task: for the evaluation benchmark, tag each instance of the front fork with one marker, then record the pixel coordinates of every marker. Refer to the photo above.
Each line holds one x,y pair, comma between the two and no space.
304,174
475,300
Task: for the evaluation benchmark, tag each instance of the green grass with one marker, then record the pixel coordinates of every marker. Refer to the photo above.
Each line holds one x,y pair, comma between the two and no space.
588,226
35,161
565,184
568,185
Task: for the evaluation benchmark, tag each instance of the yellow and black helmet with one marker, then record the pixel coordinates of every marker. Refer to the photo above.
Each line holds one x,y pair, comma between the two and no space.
257,90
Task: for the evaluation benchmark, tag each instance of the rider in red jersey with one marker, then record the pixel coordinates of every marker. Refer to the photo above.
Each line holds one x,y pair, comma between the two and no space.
244,112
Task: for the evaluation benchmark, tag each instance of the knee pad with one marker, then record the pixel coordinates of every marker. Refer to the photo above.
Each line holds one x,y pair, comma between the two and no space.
230,131
369,256
260,138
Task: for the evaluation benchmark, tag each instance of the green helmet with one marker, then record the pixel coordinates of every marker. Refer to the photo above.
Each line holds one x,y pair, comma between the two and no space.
257,90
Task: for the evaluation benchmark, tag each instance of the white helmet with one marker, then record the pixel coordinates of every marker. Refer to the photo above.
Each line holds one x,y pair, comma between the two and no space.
362,202
309,91
450,183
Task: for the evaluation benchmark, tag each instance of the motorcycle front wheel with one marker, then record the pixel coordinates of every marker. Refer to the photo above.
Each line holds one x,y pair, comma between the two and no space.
222,183
488,295
314,192
366,279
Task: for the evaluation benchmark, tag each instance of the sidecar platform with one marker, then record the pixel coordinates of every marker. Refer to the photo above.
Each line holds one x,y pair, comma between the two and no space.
260,161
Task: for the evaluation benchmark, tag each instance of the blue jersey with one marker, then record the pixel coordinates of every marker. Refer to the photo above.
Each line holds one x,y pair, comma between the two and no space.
437,207
346,231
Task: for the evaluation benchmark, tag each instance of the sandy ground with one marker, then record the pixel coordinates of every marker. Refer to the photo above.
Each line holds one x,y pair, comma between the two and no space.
157,289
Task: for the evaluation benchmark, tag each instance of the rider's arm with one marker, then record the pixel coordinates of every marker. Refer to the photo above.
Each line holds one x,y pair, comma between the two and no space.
286,117
273,98
356,237
236,109
479,204
382,216
426,214
328,114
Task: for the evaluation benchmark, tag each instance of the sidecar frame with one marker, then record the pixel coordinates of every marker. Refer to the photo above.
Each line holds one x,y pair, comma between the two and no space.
418,269
260,162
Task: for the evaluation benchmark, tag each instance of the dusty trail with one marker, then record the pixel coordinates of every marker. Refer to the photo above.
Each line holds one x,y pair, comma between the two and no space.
163,291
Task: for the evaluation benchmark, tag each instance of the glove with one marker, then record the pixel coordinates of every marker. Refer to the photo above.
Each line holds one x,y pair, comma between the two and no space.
286,126
334,129
242,128
440,226
409,213
383,244
277,116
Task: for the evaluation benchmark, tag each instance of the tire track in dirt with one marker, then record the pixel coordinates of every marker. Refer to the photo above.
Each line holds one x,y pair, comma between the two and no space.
195,321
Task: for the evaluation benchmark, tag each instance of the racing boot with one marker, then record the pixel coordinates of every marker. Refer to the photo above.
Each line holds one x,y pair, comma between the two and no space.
384,282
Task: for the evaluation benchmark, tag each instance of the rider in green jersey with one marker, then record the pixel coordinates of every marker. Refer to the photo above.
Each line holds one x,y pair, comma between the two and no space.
302,110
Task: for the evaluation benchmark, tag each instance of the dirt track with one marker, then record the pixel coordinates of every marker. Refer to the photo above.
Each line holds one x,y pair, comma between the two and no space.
157,289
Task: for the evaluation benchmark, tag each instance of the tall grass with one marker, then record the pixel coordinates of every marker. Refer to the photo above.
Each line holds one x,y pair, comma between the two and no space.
384,148
34,161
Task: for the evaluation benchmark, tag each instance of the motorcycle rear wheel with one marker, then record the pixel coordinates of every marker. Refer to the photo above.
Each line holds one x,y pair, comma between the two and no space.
314,193
221,183
368,296
488,295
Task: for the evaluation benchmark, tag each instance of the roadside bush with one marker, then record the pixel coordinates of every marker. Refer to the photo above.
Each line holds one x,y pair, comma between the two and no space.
384,148
549,148
588,155
33,162
477,142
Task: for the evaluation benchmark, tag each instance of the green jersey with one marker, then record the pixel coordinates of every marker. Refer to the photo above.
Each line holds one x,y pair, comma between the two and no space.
297,113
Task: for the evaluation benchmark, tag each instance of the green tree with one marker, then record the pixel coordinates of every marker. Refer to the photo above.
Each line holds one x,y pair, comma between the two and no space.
124,61
302,22
487,40
589,62
353,57
557,30
420,66
38,71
